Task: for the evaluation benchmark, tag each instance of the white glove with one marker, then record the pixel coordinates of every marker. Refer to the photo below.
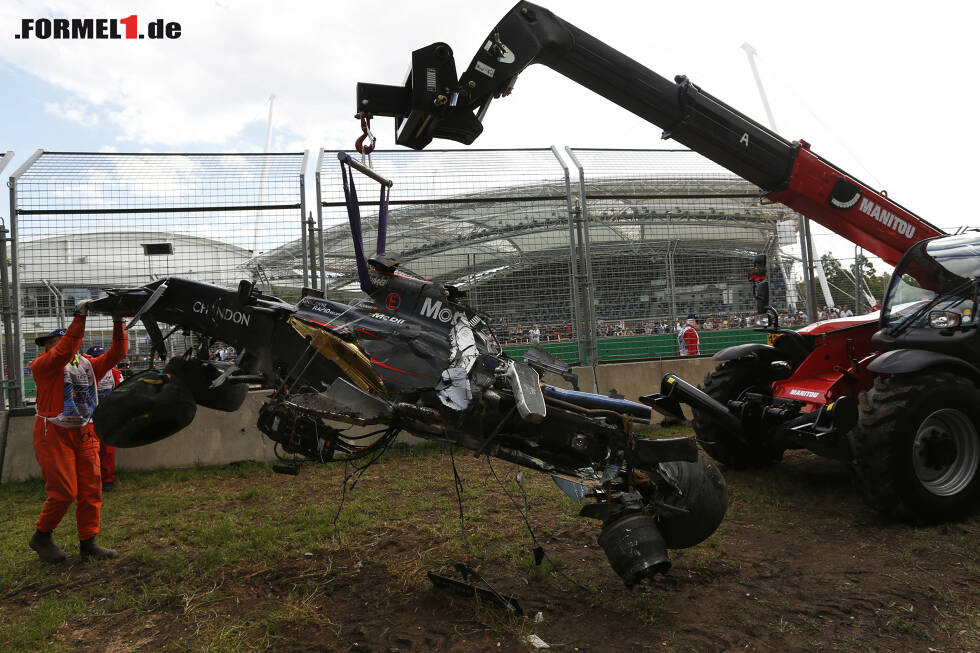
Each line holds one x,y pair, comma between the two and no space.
81,308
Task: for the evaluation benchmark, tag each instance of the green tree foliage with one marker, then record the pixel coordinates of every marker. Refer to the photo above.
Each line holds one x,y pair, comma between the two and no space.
842,282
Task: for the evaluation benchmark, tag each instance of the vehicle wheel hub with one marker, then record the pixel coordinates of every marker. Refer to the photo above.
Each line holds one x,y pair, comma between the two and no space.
937,450
946,452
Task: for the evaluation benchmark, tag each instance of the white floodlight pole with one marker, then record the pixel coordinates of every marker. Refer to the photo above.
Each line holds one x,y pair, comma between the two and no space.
750,52
809,252
265,165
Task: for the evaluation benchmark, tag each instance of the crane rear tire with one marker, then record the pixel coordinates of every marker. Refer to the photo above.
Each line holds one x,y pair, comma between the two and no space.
725,383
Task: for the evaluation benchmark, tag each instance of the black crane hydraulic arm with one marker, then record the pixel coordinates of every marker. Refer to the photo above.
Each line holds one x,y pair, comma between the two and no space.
434,103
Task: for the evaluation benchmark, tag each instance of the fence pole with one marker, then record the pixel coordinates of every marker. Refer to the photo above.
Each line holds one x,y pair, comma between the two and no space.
309,234
5,311
671,287
303,245
319,221
574,278
302,209
4,306
857,280
17,355
588,289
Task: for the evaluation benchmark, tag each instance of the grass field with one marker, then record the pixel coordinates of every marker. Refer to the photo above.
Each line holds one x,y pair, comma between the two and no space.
239,558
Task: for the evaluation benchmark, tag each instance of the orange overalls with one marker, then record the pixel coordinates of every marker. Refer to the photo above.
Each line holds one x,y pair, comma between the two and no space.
69,457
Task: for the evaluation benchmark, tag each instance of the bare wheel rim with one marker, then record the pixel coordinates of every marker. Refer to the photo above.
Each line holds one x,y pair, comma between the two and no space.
946,452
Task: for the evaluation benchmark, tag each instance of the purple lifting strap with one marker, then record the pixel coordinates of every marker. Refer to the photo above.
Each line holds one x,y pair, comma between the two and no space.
347,167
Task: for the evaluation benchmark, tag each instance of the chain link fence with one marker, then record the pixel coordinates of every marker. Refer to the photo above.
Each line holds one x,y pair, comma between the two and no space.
671,237
496,223
660,235
597,255
82,222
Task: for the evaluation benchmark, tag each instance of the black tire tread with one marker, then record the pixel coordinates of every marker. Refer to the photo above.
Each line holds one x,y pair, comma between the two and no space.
878,443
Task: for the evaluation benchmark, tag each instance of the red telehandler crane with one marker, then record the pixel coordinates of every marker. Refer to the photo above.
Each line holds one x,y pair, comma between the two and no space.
800,390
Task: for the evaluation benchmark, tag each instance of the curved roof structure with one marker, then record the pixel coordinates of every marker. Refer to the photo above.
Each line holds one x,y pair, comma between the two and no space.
473,236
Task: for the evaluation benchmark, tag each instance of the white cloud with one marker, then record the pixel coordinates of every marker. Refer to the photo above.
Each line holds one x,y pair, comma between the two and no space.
892,81
76,113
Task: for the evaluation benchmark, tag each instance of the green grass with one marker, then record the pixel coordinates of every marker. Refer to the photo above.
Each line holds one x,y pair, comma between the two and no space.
239,558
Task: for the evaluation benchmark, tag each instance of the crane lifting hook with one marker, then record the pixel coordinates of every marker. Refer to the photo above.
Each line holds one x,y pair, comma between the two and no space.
365,148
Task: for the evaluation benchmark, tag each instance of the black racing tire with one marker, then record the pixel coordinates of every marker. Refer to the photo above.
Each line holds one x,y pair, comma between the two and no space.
143,409
198,374
725,383
703,494
916,449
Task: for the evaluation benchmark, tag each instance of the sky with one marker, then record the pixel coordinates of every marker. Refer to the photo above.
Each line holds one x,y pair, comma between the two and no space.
886,90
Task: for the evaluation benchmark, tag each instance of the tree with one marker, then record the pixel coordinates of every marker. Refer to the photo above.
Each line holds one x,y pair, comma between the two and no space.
841,279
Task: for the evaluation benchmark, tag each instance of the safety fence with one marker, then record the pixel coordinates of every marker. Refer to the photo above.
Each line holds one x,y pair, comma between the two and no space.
496,223
599,255
597,269
82,222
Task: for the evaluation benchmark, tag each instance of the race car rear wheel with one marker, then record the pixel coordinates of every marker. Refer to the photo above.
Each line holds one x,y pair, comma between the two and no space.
703,501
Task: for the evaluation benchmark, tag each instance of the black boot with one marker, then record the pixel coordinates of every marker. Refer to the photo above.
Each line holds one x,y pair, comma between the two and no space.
46,549
90,549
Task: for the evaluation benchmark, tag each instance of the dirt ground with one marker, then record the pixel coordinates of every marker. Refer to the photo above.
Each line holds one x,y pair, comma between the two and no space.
799,565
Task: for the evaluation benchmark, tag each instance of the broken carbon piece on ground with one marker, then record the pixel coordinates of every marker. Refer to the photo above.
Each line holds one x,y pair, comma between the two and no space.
490,596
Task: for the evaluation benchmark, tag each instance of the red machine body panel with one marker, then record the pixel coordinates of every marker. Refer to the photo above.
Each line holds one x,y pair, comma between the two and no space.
836,324
837,366
847,207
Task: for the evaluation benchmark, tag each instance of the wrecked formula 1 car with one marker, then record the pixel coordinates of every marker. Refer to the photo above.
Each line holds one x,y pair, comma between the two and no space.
413,357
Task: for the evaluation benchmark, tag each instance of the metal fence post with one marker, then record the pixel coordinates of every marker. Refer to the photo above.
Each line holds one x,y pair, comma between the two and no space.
309,237
303,245
5,311
588,289
574,278
671,285
302,210
4,303
17,355
319,223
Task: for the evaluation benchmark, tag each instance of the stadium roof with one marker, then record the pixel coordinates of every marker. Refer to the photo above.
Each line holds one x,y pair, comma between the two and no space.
481,233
